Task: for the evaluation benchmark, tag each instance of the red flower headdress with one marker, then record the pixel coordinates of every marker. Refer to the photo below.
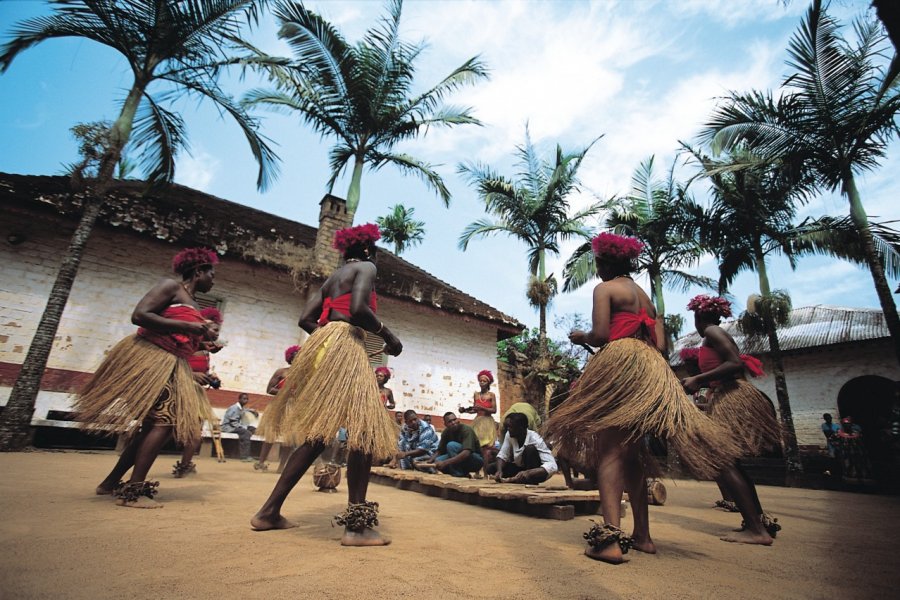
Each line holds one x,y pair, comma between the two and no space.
616,247
361,234
688,354
487,374
191,258
290,353
710,305
212,314
384,371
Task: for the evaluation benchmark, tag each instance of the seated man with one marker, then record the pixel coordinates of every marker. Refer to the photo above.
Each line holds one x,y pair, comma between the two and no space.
459,451
524,456
417,440
231,423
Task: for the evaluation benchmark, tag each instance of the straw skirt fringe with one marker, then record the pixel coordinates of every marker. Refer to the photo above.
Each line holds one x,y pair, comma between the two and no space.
139,380
629,386
745,411
330,385
485,430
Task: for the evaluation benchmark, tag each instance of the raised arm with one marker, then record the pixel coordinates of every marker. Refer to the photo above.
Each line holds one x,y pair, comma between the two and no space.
148,311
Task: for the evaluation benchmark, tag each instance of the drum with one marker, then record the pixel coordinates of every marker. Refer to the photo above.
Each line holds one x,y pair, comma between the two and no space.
656,492
326,477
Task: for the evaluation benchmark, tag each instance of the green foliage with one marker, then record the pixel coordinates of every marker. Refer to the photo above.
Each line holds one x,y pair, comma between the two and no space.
775,307
361,94
560,365
399,228
93,143
674,323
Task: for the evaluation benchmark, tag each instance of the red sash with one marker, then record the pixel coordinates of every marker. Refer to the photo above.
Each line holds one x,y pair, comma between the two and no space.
342,304
181,345
627,324
708,359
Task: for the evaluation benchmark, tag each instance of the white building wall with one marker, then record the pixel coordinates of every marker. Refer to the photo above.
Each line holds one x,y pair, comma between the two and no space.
435,373
815,378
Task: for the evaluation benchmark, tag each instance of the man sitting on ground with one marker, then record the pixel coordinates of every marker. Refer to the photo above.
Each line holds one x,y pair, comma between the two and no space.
232,423
417,440
459,452
524,456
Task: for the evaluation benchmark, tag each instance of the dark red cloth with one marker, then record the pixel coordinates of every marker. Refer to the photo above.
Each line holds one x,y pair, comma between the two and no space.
342,304
709,359
627,324
199,362
484,404
179,344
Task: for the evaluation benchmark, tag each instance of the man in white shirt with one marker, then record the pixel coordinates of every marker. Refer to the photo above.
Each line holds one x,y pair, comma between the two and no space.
524,457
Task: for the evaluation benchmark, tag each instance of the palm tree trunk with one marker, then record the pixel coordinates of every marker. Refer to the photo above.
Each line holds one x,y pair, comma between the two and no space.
789,433
15,422
861,221
354,189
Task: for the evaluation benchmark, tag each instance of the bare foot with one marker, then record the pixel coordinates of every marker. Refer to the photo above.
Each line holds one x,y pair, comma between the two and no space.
647,547
261,523
366,537
611,554
141,502
102,490
748,537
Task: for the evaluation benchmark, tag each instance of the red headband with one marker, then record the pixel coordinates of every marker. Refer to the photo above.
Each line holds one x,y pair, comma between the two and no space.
290,353
212,314
487,374
351,236
383,371
191,258
710,305
617,247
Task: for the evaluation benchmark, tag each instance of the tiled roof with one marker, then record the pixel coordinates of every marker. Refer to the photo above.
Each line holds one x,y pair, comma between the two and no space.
186,216
809,327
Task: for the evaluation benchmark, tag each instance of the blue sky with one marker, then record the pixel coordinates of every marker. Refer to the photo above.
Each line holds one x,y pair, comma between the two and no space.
642,73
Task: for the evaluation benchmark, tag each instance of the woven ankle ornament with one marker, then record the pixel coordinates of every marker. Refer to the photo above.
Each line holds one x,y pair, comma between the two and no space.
601,536
358,516
770,524
181,469
727,505
130,492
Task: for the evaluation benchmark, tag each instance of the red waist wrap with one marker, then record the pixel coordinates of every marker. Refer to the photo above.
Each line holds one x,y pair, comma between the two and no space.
627,324
181,345
199,362
342,304
708,359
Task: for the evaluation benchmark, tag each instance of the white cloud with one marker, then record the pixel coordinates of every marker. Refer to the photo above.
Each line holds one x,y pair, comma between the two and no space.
197,170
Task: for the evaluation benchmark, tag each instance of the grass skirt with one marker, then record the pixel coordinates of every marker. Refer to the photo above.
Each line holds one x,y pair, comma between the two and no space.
330,385
746,412
485,430
131,380
629,386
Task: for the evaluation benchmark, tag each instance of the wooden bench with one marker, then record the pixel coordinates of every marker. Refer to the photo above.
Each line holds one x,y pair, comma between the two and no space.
537,501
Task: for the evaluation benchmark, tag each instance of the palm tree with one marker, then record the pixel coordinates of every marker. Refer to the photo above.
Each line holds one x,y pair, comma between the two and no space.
399,228
361,94
653,211
836,115
534,208
749,219
181,46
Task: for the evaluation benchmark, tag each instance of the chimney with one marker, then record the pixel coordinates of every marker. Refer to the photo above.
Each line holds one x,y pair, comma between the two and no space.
332,217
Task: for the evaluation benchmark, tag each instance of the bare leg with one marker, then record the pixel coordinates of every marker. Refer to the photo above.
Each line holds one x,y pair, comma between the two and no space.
269,515
263,455
358,467
147,451
637,495
125,462
742,491
611,451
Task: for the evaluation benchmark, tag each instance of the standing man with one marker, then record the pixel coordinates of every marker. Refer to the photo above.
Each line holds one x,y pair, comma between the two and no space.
232,422
459,452
146,378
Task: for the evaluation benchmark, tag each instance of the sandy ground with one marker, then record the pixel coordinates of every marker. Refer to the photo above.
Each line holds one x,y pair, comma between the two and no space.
59,540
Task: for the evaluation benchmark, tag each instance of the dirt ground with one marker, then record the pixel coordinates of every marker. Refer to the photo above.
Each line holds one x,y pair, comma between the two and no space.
58,540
